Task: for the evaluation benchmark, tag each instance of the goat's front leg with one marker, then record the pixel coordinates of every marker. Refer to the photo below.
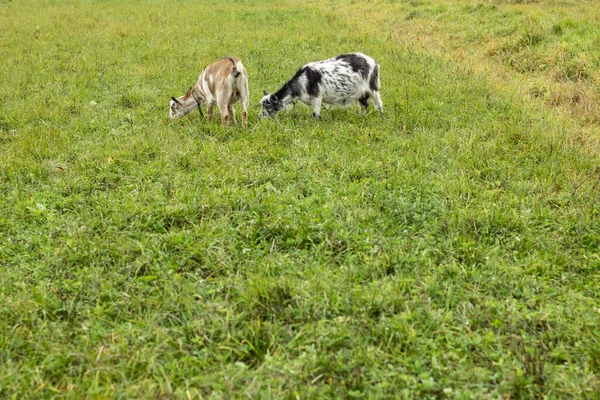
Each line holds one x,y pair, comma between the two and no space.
316,103
209,110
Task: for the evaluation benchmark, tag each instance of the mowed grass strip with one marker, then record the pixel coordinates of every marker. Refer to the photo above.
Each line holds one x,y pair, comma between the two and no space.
446,249
546,51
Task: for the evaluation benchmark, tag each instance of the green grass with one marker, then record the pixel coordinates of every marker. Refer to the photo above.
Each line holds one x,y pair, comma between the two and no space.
449,249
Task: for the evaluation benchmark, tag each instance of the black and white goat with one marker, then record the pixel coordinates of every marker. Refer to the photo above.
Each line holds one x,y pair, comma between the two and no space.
224,83
339,81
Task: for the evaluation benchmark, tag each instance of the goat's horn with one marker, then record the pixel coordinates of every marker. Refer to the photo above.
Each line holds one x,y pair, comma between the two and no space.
265,92
175,100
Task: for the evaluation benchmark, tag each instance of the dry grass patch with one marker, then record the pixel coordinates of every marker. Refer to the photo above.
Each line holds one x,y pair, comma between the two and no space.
550,45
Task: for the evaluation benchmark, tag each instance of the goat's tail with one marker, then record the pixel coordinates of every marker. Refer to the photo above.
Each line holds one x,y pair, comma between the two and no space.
238,68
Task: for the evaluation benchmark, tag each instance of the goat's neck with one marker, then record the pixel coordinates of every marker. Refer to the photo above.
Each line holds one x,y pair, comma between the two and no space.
285,95
189,101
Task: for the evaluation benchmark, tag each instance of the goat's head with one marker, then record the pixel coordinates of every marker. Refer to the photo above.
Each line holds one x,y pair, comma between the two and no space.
185,104
176,108
270,105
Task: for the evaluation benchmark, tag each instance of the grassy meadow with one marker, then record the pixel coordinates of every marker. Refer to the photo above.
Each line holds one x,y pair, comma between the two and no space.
447,249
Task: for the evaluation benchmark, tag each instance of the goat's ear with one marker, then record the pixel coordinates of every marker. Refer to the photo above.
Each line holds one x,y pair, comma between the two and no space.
265,92
175,100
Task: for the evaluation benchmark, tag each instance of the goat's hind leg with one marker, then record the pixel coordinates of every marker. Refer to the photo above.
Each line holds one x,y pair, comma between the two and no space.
231,113
223,104
245,97
377,101
364,104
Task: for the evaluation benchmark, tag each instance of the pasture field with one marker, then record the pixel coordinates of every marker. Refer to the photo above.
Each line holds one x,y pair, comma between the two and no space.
447,249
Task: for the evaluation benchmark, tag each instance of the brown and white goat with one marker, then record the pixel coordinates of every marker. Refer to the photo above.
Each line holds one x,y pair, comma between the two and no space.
224,83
